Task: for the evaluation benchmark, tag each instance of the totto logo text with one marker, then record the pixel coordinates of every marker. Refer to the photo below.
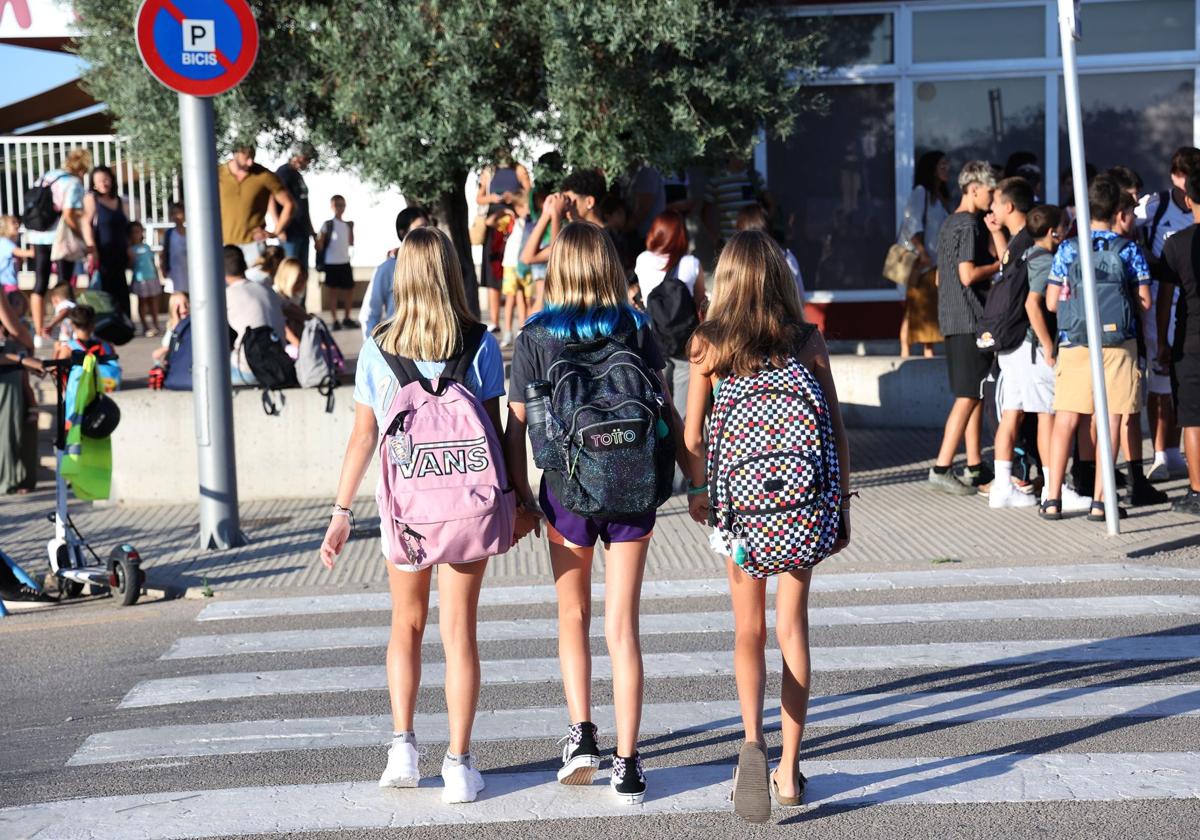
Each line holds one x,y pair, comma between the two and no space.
616,437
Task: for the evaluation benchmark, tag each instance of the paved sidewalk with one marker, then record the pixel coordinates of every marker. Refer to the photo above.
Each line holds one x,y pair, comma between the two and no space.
898,523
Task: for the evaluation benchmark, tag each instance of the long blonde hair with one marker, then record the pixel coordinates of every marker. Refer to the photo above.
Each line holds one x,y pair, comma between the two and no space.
586,288
431,305
755,315
288,277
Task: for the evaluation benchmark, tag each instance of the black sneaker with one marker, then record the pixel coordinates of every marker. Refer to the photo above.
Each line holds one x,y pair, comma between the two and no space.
1189,502
350,324
581,756
1144,493
980,478
335,326
628,781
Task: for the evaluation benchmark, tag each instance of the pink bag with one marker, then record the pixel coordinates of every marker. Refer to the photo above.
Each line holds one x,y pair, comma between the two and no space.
444,495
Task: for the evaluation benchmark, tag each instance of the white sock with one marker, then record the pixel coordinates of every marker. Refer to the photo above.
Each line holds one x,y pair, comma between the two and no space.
1003,474
1160,457
408,737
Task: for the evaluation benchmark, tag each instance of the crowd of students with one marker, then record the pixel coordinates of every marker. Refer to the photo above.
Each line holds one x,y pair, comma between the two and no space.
1010,310
615,378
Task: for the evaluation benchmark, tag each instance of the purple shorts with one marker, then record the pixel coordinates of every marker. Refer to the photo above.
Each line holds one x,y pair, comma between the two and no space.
585,530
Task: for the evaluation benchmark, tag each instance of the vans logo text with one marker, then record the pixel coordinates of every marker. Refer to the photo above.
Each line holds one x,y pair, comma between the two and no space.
442,458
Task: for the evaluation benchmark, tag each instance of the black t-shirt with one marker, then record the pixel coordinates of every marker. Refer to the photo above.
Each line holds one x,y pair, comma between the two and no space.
300,224
531,358
1010,263
1180,256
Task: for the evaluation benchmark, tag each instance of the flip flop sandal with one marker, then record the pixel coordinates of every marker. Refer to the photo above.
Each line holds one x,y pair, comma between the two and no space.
751,798
789,801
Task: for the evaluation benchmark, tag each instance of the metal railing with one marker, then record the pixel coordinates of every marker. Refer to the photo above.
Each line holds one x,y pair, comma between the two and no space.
25,158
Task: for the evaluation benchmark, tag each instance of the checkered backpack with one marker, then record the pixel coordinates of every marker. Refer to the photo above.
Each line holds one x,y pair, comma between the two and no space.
773,474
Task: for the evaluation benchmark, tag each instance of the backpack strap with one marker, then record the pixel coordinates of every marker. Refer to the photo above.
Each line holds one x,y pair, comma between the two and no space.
1164,201
457,368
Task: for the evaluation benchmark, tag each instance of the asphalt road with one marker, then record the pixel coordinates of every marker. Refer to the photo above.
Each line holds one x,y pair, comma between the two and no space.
1103,739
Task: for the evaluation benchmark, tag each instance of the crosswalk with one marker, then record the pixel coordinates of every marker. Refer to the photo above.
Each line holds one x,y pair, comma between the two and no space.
904,657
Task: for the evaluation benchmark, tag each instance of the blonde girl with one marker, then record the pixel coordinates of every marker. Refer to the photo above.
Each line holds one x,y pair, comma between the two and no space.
586,300
431,318
756,320
291,281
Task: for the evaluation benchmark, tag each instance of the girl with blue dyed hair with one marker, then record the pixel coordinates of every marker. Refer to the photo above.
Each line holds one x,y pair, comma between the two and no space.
586,300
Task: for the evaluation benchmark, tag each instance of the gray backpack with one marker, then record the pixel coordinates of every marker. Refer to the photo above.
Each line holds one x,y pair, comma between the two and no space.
1114,296
320,361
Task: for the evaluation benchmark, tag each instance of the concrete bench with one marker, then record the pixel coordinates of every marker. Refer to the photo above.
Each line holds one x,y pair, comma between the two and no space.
298,454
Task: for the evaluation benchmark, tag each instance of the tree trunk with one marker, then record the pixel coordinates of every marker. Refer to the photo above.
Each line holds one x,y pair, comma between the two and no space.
456,221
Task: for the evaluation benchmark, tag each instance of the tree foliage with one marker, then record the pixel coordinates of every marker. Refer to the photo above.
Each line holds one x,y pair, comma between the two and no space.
416,94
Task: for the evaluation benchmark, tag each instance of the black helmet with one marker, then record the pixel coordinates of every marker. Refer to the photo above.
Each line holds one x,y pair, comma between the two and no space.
101,417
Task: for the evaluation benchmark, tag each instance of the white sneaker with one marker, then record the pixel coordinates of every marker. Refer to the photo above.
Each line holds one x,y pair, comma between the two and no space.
461,782
1072,502
1158,472
402,769
1002,494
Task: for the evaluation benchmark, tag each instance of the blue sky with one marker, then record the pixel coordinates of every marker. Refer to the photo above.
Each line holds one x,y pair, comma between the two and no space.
27,72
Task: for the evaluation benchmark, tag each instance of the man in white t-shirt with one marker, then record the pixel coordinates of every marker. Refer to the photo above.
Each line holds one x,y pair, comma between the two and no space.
333,257
249,305
1159,216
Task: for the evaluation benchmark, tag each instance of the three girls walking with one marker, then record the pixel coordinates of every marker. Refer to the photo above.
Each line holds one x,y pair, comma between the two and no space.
587,388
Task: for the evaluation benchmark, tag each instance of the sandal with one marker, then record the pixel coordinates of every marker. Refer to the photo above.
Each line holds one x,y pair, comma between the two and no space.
1096,514
1050,510
751,800
789,801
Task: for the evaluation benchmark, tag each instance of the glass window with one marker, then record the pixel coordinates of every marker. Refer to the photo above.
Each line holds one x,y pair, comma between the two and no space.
986,119
1135,119
848,40
834,180
979,34
1137,26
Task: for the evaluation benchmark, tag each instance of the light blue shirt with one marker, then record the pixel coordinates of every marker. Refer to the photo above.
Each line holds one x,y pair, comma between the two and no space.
375,384
380,303
8,263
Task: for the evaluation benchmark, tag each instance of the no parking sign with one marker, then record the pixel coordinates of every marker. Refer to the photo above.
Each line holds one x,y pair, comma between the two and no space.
198,47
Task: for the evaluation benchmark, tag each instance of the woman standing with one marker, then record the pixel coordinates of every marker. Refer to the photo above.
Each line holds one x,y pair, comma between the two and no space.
666,251
501,188
928,207
66,187
15,344
106,232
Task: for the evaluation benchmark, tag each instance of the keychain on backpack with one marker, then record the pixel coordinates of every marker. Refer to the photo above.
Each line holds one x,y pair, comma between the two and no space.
400,448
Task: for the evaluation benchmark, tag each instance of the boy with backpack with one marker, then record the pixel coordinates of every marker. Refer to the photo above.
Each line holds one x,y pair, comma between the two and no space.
1123,292
1181,258
1003,329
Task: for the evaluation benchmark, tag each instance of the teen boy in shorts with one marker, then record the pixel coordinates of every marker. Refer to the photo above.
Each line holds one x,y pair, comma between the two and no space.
1179,269
1022,384
966,265
1122,376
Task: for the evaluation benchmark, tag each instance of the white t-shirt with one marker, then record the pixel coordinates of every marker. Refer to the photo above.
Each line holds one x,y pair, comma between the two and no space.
337,249
1173,220
651,268
512,246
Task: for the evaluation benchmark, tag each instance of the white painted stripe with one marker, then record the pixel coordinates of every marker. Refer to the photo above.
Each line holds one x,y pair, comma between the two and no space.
1059,777
291,641
658,589
226,686
839,710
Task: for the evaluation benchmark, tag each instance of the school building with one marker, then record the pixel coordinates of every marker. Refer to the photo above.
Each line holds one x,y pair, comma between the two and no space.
974,78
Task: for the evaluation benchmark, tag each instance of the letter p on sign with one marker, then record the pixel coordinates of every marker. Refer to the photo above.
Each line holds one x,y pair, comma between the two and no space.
199,36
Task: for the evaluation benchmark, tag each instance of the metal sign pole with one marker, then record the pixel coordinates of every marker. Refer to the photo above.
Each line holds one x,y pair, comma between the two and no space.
1069,32
219,527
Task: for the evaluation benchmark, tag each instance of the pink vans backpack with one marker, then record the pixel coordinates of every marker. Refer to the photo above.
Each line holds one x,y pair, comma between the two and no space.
444,495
